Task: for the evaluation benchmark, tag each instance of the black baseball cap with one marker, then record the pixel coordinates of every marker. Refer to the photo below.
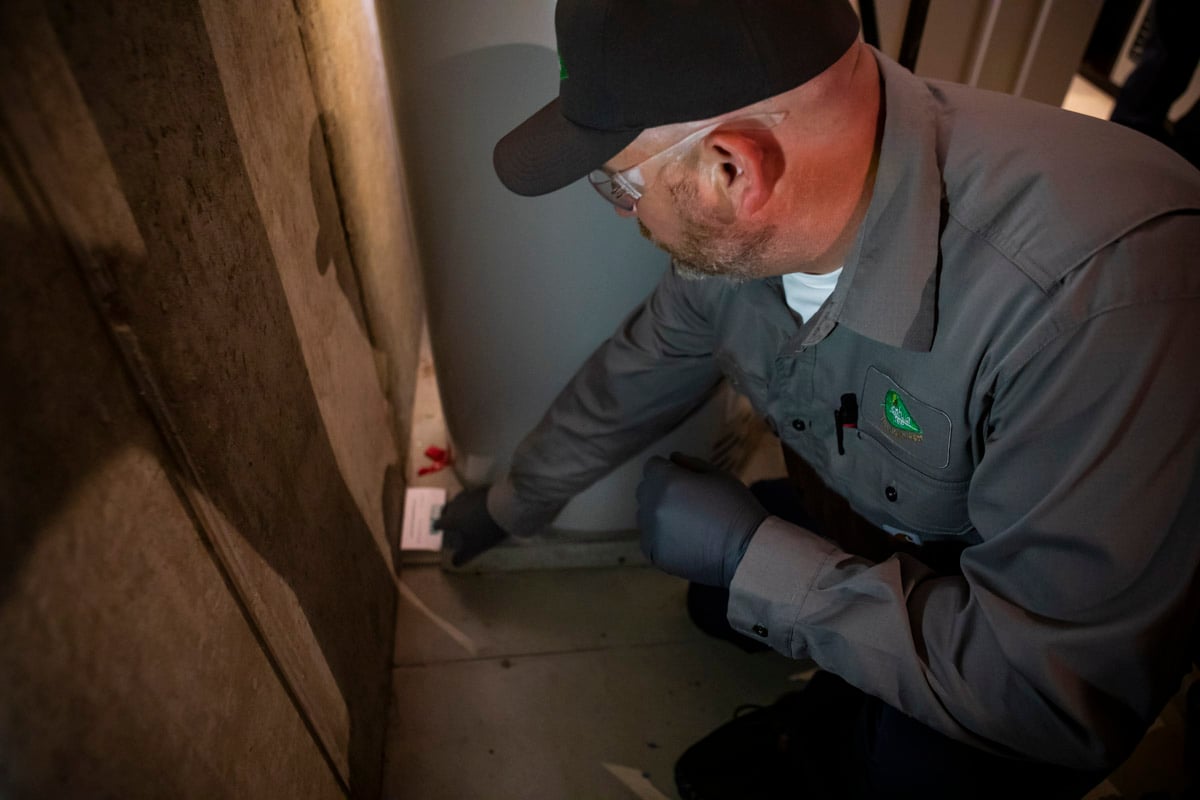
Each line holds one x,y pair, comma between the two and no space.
628,65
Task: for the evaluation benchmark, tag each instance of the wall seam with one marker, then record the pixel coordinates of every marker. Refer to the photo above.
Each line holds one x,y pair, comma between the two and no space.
101,289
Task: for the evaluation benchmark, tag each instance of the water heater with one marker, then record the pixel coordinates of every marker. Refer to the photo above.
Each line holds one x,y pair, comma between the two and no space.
519,290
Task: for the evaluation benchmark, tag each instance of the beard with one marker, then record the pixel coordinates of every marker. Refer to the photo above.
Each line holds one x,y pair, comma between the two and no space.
709,248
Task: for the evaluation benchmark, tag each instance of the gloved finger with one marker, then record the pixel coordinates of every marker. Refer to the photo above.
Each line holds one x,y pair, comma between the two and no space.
462,556
692,463
647,542
654,475
446,519
654,465
458,510
468,549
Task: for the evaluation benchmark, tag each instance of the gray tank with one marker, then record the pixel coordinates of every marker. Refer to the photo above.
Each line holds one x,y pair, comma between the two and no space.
519,290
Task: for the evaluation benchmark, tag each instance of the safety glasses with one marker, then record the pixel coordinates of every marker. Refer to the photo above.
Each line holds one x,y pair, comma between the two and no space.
623,188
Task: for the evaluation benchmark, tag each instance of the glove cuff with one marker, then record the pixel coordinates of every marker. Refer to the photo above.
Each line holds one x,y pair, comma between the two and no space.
734,554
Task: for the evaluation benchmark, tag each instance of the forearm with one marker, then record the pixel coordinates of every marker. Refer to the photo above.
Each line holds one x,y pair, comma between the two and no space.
652,373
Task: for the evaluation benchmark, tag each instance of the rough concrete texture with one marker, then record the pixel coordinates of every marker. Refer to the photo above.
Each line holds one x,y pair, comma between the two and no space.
230,501
128,669
350,81
261,63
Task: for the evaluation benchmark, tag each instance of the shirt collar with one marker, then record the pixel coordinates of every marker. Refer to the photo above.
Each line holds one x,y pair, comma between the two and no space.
888,289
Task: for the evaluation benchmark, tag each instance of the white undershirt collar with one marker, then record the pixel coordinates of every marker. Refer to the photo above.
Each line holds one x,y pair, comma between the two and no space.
805,293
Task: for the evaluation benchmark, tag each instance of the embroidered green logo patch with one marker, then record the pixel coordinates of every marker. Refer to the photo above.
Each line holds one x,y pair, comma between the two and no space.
562,68
897,414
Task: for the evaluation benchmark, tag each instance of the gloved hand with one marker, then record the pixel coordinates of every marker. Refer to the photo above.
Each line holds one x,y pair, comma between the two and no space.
696,520
467,527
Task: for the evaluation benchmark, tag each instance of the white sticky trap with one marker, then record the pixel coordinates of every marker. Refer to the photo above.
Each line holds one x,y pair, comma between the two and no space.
422,505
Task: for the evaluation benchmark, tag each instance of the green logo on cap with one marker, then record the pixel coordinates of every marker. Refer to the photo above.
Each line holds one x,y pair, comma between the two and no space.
897,414
562,68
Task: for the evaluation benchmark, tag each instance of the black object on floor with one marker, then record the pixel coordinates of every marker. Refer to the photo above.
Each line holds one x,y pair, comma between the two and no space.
773,752
708,607
833,741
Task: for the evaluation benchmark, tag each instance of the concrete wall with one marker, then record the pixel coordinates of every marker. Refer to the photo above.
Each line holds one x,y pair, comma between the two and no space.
350,80
198,472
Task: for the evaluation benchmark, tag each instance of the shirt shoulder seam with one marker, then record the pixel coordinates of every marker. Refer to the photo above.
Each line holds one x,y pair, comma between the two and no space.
1061,330
1033,269
1043,286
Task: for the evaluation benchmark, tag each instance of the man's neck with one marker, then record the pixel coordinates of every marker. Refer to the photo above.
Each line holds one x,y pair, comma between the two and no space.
847,202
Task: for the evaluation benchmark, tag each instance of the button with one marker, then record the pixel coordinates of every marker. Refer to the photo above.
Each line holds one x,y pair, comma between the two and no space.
760,630
798,424
890,494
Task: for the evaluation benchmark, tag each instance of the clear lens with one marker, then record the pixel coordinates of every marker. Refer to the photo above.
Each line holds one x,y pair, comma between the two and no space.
614,190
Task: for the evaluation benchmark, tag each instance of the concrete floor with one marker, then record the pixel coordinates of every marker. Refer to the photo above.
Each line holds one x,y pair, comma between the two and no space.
561,684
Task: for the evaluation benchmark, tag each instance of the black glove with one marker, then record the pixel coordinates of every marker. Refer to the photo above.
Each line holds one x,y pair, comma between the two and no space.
468,529
696,520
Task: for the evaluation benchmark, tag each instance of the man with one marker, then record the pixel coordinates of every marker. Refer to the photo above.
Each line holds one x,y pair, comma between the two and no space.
972,322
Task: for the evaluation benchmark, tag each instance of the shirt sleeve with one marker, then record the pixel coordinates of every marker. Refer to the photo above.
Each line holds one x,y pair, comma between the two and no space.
650,375
1073,620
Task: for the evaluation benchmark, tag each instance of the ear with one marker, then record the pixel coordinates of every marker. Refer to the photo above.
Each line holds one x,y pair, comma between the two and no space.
742,168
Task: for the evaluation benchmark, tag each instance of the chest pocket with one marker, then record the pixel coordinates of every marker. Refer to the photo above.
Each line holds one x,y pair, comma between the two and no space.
903,500
899,473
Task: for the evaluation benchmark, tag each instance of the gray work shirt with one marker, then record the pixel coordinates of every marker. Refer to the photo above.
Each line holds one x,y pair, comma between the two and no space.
1019,323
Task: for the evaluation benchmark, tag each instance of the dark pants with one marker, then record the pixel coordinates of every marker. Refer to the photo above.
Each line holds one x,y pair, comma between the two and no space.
833,741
